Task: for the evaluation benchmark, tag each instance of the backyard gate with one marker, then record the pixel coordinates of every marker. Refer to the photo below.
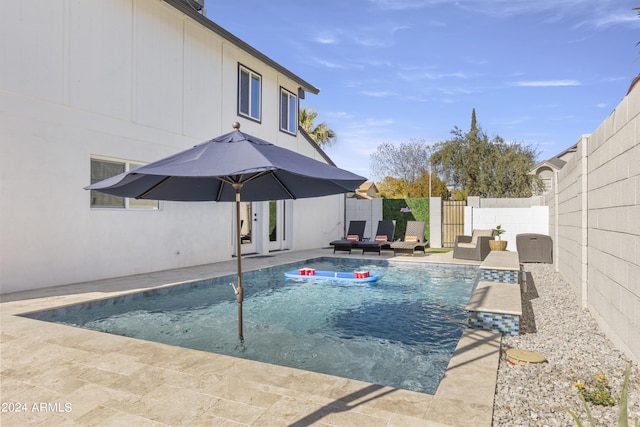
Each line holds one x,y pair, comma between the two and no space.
452,221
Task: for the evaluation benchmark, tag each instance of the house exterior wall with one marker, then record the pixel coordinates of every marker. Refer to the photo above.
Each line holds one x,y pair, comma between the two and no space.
598,233
126,80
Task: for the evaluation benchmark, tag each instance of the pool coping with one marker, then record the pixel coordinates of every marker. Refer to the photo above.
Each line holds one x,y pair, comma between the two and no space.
108,379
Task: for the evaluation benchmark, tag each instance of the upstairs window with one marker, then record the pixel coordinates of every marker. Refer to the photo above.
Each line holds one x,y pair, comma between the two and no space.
103,169
288,111
249,93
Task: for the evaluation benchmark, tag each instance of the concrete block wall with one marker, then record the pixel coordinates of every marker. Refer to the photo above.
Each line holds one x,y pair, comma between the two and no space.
594,219
515,221
613,207
569,234
523,202
364,209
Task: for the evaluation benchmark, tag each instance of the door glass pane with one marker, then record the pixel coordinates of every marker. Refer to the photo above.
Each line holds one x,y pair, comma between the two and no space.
273,221
245,222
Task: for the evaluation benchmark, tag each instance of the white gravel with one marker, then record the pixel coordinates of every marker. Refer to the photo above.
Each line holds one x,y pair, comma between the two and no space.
576,350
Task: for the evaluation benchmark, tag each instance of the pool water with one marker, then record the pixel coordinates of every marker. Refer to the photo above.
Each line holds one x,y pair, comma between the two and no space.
399,331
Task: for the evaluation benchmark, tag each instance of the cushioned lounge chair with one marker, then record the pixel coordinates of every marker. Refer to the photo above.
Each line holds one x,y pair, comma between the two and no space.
354,236
413,239
474,247
382,239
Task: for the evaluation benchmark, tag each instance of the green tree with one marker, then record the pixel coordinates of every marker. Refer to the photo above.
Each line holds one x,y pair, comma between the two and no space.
407,160
403,170
320,134
392,188
485,167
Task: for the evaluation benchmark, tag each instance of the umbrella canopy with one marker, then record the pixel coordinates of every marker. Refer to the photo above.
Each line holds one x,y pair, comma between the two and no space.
208,171
232,167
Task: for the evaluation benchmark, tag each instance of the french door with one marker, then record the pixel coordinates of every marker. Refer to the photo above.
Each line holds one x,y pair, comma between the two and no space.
264,226
277,227
248,219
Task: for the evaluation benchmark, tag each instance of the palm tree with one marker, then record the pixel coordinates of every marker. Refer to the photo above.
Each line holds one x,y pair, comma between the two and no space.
321,134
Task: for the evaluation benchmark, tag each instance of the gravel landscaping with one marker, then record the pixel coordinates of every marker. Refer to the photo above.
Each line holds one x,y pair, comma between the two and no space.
576,350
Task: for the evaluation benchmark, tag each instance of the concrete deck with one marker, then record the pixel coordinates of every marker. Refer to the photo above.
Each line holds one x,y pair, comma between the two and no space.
501,260
496,297
60,375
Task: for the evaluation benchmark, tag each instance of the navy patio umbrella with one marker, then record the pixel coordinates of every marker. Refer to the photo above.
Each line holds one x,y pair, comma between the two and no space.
232,167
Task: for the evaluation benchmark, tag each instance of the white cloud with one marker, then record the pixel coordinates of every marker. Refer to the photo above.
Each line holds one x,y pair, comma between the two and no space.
339,115
427,75
378,94
326,39
609,20
327,64
372,41
379,122
595,13
547,83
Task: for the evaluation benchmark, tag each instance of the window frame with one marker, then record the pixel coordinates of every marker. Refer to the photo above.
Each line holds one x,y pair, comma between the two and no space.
127,201
250,95
291,128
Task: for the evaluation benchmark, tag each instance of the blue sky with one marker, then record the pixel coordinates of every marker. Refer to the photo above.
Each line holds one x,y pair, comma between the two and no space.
538,72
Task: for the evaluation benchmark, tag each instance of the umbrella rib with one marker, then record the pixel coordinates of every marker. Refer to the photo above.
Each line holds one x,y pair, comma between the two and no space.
238,179
283,186
162,181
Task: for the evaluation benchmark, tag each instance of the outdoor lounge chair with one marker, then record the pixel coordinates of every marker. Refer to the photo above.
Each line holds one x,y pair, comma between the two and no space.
413,239
354,236
474,247
383,237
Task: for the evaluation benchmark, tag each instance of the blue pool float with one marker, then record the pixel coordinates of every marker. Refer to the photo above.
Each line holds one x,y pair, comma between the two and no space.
332,275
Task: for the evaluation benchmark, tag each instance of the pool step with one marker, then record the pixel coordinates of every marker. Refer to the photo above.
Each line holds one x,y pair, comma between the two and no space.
495,307
496,304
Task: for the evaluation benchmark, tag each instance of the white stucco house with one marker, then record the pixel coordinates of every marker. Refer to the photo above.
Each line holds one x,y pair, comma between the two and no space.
92,88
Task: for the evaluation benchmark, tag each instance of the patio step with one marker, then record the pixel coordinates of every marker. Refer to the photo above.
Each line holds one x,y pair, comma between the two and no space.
495,307
496,304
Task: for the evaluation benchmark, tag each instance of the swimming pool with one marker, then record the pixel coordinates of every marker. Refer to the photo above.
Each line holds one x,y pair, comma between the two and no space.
400,331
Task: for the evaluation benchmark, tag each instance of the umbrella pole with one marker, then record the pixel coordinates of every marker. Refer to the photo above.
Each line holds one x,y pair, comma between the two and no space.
239,290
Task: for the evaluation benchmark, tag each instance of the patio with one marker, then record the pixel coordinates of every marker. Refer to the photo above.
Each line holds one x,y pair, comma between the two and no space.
59,375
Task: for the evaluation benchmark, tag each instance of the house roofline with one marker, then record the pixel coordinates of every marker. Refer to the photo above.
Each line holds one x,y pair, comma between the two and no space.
185,8
573,148
544,163
320,151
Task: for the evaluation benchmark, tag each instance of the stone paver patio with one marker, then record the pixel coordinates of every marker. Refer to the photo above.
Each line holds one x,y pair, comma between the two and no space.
54,374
